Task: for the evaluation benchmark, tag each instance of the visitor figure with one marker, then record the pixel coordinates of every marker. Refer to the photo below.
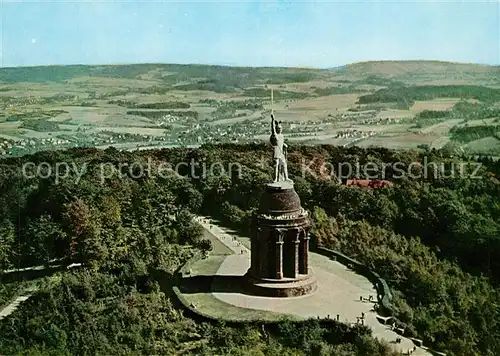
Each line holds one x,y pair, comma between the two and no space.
278,142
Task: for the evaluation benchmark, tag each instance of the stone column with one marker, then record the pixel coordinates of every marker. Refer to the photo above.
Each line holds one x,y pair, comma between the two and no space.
305,252
254,257
296,254
263,257
279,254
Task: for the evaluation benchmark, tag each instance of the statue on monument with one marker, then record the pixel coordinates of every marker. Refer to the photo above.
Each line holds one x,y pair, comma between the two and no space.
279,154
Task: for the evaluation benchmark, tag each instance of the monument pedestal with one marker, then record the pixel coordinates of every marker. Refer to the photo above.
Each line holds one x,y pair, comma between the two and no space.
280,246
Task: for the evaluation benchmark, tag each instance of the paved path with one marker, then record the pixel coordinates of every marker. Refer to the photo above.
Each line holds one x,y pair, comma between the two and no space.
230,241
339,291
27,293
32,268
9,309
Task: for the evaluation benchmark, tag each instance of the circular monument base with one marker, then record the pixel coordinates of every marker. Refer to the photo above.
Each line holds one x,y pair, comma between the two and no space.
280,288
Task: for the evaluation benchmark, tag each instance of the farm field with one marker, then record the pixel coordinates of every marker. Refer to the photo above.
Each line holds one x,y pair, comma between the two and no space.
397,141
392,104
484,145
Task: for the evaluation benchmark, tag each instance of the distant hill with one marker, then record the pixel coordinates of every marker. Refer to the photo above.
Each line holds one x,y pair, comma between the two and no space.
227,79
166,73
400,68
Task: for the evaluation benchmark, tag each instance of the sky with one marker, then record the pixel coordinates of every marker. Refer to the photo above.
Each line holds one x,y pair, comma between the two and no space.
320,34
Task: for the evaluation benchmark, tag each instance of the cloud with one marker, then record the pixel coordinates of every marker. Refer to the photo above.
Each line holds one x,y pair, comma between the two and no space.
33,40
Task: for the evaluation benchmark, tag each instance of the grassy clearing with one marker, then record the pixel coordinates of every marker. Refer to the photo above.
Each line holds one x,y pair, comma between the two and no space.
208,266
208,304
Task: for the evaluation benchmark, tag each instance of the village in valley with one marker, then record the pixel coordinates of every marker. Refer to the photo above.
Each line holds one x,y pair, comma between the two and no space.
138,106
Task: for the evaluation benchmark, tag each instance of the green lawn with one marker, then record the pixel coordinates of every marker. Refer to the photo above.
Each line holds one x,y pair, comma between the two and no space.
208,266
210,305
218,247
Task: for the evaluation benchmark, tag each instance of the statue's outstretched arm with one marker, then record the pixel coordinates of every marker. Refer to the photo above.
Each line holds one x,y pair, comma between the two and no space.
273,127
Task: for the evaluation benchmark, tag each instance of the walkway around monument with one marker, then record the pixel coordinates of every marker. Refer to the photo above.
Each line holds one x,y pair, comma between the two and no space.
338,294
27,293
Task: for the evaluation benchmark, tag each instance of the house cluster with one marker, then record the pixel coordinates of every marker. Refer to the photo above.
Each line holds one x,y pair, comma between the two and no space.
167,119
16,102
11,147
384,120
109,137
7,147
212,133
358,115
354,134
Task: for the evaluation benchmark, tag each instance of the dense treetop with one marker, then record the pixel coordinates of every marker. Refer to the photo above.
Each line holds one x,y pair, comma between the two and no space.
433,238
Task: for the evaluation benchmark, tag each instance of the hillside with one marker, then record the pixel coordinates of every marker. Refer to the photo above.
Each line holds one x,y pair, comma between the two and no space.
428,72
130,106
167,73
135,71
397,68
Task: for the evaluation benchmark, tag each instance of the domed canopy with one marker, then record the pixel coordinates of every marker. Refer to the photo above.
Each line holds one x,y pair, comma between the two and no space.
280,199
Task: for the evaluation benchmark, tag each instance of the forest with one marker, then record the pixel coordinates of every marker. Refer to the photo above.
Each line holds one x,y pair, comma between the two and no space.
433,238
470,133
406,96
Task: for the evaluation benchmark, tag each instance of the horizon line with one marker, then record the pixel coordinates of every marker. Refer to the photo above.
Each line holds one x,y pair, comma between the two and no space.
228,65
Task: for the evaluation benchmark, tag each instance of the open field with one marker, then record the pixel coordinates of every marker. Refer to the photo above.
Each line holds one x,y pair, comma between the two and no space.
315,109
397,142
436,104
487,145
441,128
481,122
392,104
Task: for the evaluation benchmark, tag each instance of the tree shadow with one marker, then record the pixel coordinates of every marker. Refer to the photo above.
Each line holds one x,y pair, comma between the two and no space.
28,275
212,284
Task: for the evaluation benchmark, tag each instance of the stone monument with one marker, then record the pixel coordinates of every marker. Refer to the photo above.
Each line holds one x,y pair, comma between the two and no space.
280,242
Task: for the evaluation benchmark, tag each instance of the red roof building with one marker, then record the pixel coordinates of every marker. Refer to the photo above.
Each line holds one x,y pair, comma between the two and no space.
367,183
